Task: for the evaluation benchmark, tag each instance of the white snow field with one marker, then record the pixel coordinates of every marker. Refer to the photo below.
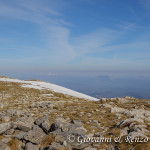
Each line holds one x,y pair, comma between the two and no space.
53,87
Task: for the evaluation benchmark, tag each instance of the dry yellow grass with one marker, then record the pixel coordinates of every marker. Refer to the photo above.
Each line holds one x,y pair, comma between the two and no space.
14,144
70,108
47,141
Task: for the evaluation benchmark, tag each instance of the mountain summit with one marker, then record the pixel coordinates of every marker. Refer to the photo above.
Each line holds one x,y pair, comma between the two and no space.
35,115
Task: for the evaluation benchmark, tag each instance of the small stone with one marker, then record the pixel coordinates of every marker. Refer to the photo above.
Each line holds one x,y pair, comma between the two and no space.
13,112
46,125
30,146
59,139
7,148
76,122
124,131
55,146
9,132
6,140
24,123
103,99
20,135
5,119
60,123
4,127
35,136
4,146
88,148
40,121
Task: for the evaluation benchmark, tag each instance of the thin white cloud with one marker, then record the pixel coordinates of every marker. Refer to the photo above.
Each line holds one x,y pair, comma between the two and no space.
51,25
35,15
59,48
145,3
112,64
132,47
92,42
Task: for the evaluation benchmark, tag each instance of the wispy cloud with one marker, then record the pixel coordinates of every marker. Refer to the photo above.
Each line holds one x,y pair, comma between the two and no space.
50,21
58,47
32,11
145,3
92,42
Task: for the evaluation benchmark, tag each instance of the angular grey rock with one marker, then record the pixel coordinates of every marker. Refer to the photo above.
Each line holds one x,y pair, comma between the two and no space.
133,135
57,132
60,123
129,122
46,125
77,130
40,121
24,123
35,136
77,122
30,146
124,131
37,122
4,127
10,131
20,135
60,139
75,127
76,145
5,119
118,110
67,129
6,140
89,148
13,112
4,146
7,148
55,146
62,129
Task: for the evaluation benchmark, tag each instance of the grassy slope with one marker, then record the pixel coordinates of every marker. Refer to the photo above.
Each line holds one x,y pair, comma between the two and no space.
13,96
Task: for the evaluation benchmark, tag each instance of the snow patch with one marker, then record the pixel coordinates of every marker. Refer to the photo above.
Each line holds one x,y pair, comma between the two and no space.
49,86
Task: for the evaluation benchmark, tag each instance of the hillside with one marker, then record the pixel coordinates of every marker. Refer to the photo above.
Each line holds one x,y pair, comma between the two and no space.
35,115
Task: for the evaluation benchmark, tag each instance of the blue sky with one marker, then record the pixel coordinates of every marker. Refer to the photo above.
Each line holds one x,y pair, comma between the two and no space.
76,35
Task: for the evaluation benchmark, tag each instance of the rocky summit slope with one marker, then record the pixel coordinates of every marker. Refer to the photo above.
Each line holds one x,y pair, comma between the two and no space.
35,115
